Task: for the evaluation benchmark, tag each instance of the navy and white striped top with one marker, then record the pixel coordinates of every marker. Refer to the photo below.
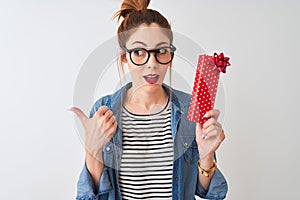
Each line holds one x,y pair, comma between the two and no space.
147,159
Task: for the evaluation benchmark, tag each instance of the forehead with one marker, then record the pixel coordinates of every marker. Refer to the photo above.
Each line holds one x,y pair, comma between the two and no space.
150,35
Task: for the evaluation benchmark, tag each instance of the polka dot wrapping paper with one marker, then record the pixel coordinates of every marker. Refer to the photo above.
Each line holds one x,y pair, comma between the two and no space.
205,87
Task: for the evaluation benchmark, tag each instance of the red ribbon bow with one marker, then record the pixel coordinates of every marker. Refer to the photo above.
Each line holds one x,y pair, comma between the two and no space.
221,62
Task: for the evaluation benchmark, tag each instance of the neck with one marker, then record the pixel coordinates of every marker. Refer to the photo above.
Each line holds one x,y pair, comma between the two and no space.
147,99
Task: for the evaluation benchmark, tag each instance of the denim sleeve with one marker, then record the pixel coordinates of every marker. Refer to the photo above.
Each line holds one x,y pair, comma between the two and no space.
86,189
85,186
217,188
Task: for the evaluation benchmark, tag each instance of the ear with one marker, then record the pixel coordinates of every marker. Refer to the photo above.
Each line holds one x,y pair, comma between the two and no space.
123,57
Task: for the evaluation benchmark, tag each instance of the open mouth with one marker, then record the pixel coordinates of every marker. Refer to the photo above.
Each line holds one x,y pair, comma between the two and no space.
151,78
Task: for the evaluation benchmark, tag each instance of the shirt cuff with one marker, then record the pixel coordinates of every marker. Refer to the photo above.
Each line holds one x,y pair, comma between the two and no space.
85,185
86,189
217,188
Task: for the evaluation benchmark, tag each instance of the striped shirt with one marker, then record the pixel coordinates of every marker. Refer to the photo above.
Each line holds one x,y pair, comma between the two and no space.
147,159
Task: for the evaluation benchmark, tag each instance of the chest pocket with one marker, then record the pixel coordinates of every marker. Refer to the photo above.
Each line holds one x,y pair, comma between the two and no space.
189,144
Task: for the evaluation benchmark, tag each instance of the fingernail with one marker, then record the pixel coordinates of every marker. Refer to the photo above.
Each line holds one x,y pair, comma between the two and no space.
206,115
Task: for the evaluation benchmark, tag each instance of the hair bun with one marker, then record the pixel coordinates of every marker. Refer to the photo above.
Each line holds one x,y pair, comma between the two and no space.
129,6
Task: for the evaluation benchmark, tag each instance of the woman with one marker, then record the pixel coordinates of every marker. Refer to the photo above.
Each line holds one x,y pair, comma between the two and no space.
139,143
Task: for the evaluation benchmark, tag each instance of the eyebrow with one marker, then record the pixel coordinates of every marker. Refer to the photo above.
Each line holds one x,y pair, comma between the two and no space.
139,42
161,43
144,44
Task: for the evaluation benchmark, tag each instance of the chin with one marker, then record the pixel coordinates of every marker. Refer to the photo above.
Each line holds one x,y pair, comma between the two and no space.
152,86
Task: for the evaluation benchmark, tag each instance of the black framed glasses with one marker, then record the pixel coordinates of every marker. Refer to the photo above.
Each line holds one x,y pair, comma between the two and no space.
140,56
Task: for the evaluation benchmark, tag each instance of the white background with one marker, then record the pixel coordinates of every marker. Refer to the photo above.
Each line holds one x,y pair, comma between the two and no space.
43,45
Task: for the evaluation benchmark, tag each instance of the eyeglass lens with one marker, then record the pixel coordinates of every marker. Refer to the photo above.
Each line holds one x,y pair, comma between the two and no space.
140,56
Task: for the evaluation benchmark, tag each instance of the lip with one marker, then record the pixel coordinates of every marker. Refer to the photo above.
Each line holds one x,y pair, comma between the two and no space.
151,78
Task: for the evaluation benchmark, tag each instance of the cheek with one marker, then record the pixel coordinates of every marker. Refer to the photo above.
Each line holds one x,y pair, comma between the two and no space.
135,71
164,70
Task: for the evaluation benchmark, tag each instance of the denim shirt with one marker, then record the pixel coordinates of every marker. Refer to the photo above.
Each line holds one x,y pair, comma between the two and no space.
185,183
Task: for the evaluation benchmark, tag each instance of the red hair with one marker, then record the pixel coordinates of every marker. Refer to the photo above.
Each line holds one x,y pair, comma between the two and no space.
136,13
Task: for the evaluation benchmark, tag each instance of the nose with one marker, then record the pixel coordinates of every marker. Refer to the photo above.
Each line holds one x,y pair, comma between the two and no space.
152,62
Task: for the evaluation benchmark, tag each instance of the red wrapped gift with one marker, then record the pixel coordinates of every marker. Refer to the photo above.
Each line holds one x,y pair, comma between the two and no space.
205,85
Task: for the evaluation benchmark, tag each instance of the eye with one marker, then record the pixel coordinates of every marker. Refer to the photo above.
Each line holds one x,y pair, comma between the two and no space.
139,52
162,51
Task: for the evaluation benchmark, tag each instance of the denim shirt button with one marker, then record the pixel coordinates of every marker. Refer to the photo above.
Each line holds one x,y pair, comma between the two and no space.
185,144
107,148
176,178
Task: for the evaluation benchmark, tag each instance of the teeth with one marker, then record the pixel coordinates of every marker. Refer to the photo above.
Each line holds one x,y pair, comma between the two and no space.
151,76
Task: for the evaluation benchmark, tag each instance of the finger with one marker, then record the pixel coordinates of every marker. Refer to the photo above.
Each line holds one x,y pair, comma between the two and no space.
109,130
101,111
108,114
107,123
212,130
210,122
199,127
222,136
200,131
80,114
212,113
104,120
112,119
112,130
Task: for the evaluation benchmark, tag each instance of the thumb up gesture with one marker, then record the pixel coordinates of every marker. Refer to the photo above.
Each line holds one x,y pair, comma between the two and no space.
98,130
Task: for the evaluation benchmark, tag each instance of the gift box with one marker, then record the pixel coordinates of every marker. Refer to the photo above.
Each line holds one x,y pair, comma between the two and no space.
205,85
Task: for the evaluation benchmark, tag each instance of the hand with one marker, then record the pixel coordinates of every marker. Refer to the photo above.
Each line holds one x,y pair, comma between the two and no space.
98,130
209,136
